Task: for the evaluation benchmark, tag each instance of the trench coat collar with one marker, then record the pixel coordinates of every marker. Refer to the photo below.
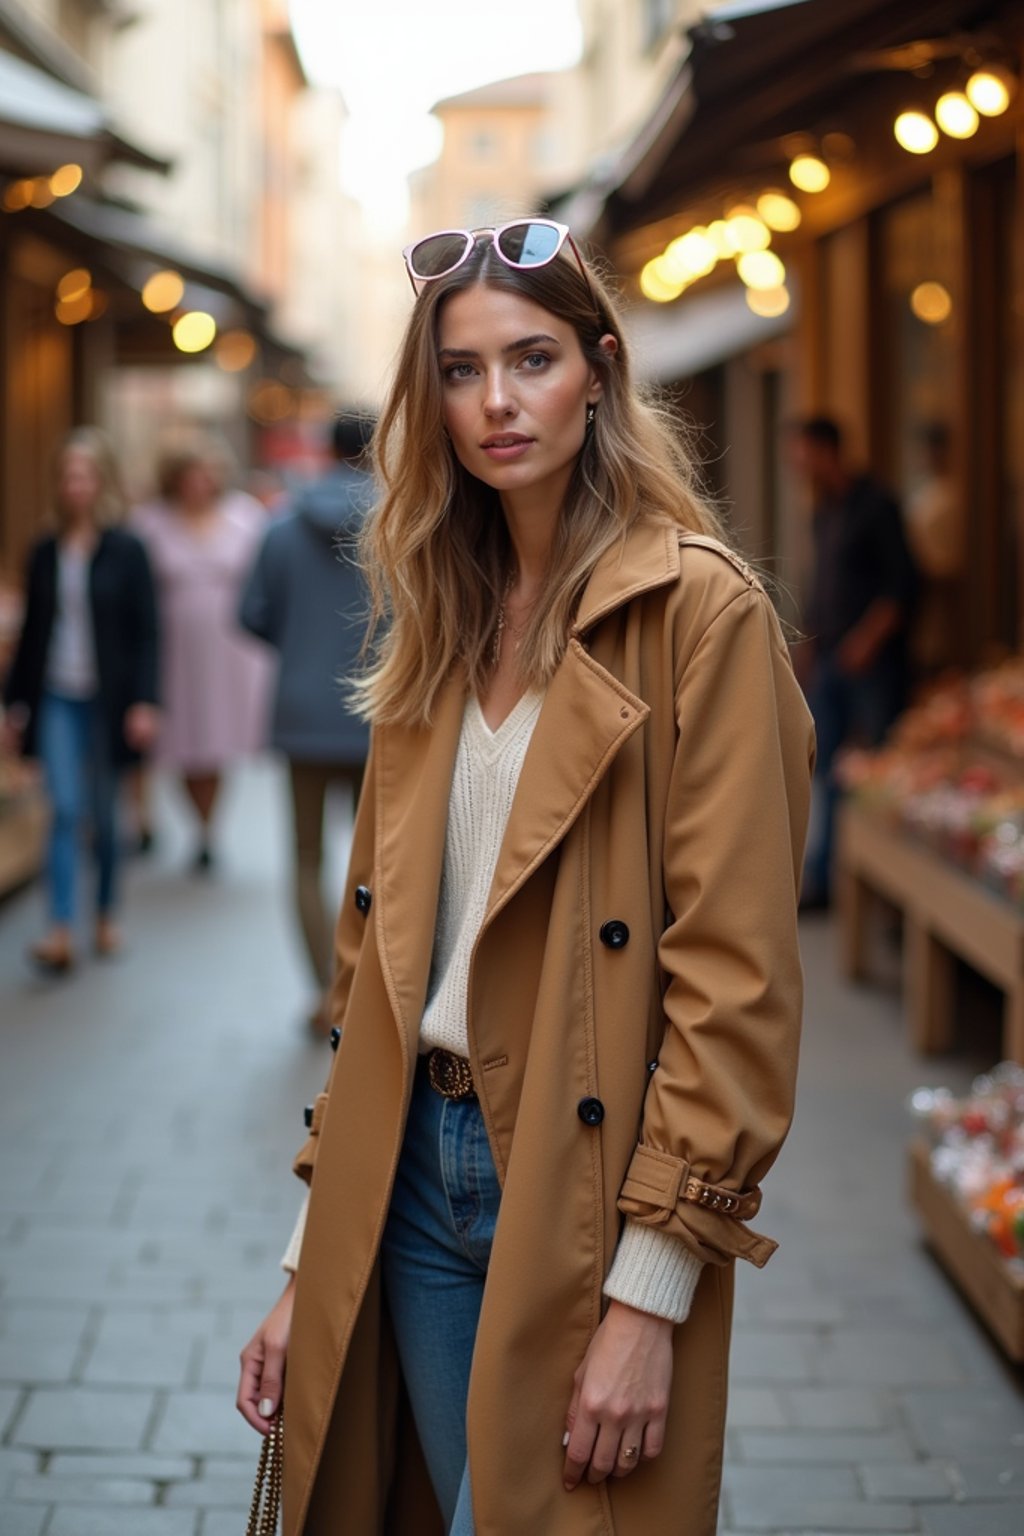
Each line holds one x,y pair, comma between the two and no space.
586,717
648,557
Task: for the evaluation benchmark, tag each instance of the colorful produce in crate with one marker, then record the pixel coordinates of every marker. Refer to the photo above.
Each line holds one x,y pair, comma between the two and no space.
978,1152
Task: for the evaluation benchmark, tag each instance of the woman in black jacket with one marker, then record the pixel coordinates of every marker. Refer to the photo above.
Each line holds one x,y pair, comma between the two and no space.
81,692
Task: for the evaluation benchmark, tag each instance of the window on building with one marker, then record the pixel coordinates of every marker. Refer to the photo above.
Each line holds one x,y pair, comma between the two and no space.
483,144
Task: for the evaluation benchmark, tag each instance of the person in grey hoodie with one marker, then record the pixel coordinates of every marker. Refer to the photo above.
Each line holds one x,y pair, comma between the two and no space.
305,597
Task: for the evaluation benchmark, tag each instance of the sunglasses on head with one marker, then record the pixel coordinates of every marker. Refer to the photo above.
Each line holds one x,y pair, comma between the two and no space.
522,243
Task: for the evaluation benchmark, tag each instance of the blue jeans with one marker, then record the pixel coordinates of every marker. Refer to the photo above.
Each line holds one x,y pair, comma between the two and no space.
76,761
435,1252
847,711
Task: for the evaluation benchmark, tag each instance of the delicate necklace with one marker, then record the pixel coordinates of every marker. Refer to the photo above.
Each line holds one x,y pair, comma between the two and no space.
502,624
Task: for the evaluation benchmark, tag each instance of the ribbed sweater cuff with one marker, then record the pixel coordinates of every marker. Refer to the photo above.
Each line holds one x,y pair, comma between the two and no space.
290,1257
653,1272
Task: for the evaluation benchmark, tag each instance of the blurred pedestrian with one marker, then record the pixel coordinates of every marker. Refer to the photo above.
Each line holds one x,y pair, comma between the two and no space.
202,538
854,663
82,687
306,598
570,922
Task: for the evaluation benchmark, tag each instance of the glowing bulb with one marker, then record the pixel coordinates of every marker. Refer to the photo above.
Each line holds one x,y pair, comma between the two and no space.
721,239
234,351
18,196
691,255
41,195
769,303
746,230
194,331
916,133
931,303
65,180
990,90
74,284
955,115
779,211
809,173
74,311
656,285
761,269
163,291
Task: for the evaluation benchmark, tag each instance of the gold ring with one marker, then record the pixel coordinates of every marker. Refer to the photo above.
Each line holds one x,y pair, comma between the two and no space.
630,1452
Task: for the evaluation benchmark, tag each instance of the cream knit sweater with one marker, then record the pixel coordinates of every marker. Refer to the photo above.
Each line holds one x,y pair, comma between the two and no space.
651,1271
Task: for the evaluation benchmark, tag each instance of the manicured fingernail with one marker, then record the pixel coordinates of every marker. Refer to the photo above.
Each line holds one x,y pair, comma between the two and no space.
565,1439
266,1406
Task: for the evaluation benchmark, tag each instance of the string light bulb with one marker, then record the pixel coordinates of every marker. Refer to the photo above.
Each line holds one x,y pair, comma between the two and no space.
809,173
657,285
769,303
915,132
761,269
779,211
956,116
194,331
991,89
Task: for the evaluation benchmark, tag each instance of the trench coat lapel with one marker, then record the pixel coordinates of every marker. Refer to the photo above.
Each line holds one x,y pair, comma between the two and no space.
413,768
586,716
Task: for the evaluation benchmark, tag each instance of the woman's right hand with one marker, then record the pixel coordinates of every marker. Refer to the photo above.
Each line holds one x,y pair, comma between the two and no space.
261,1385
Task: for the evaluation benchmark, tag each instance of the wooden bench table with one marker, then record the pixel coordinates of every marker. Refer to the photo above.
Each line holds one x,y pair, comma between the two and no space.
946,915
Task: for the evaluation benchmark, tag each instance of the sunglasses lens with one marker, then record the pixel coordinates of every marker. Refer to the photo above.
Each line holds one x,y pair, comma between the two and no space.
529,244
437,254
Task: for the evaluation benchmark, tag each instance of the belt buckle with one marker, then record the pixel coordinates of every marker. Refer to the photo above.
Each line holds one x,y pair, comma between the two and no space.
450,1075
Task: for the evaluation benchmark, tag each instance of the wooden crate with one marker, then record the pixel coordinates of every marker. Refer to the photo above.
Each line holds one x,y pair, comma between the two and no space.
971,1259
946,914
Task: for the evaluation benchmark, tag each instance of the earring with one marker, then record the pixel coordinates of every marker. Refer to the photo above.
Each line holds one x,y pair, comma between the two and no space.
591,413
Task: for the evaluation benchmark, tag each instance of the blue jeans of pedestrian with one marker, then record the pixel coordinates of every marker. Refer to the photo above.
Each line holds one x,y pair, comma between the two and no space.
79,776
847,711
436,1248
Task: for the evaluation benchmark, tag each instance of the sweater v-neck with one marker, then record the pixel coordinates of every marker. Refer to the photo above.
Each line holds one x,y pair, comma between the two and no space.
494,740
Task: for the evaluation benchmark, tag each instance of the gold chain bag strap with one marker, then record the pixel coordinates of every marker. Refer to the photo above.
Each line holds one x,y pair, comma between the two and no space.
266,1496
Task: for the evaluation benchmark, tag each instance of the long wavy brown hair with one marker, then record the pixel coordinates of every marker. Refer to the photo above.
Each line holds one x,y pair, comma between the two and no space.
436,551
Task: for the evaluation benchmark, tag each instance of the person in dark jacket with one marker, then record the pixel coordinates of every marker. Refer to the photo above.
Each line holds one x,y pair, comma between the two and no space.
82,688
305,597
855,664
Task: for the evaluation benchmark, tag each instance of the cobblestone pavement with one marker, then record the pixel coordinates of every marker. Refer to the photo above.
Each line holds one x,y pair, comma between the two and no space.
148,1112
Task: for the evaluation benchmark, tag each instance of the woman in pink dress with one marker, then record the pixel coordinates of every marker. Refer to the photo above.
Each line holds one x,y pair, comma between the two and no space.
202,540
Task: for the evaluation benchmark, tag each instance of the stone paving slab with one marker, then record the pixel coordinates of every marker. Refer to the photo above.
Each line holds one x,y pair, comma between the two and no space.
72,1418
90,1520
143,1214
971,1520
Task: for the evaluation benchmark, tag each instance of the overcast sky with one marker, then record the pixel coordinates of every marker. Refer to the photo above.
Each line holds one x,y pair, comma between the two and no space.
392,59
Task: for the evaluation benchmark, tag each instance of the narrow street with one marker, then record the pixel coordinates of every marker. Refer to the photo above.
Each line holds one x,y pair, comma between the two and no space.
148,1112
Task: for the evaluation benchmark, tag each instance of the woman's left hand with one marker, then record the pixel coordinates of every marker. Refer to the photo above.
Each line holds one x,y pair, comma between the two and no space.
616,1417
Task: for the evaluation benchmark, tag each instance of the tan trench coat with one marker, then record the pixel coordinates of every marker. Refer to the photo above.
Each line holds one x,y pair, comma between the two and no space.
666,786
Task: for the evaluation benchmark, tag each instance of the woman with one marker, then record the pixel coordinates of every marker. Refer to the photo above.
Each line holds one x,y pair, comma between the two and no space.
568,986
81,691
202,540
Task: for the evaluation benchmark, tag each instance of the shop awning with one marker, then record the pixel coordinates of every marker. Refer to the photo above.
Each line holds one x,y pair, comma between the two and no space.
676,342
748,66
129,244
44,123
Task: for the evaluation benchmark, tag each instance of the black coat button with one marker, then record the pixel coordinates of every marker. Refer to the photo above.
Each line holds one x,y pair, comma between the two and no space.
590,1111
335,1037
614,933
364,897
307,1115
